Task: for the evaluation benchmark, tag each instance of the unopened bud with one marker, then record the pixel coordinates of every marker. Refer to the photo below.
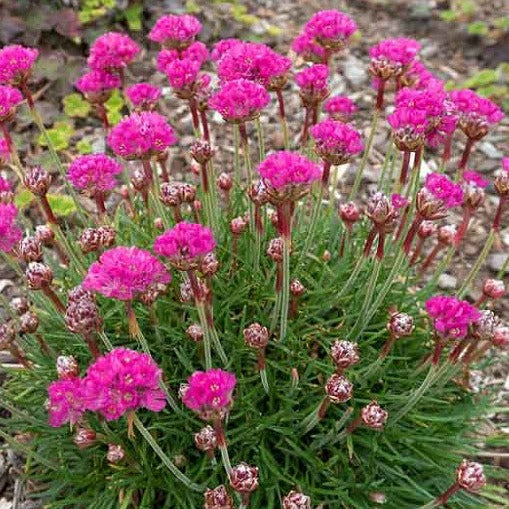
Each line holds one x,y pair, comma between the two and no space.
45,234
349,213
206,439
275,249
344,353
38,275
225,182
209,265
20,305
256,336
85,437
326,256
244,478
238,225
202,151
400,325
426,229
218,498
67,367
37,181
296,500
297,289
470,476
30,249
447,234
374,416
338,388
493,288
115,453
501,337
28,322
158,223
195,332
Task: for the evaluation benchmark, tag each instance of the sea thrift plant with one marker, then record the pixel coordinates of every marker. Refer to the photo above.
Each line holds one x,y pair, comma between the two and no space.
236,323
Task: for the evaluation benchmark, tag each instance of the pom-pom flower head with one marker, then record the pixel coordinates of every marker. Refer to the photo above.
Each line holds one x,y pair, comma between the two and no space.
444,190
392,57
112,52
209,393
240,100
305,46
124,272
183,76
197,52
313,84
10,234
141,135
97,85
340,108
409,126
185,244
65,401
143,96
175,31
331,29
94,173
16,64
10,98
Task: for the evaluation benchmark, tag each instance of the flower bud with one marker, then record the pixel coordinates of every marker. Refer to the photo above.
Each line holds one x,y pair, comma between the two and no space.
238,225
493,288
326,256
202,151
195,332
158,223
338,388
349,213
79,293
374,416
28,322
182,390
38,275
400,325
45,234
30,249
218,498
108,235
197,205
296,500
186,292
297,289
258,193
484,327
170,194
67,366
501,184
37,181
7,335
152,293
470,476
82,317
344,353
187,192
380,209
225,182
275,249
426,229
206,439
90,240
139,180
20,305
244,478
378,497
124,192
209,265
473,197
256,336
446,234
115,453
85,437
501,337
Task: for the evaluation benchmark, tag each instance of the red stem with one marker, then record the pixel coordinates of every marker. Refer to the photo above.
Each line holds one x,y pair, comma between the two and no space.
322,409
417,251
205,125
354,425
204,177
407,244
439,346
164,170
431,257
326,173
444,497
404,167
402,223
498,215
380,95
467,214
279,277
147,169
388,346
27,94
48,212
194,114
446,155
99,201
305,127
7,137
48,291
466,154
381,243
281,103
369,241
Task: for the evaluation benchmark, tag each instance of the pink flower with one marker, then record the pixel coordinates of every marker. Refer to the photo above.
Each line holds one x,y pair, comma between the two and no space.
444,189
143,95
255,62
112,52
5,154
331,29
285,168
313,79
197,52
141,135
335,141
210,391
505,164
123,380
9,98
94,172
340,107
183,73
96,82
5,185
222,47
308,49
124,272
240,100
409,126
451,316
175,31
16,63
399,201
476,179
393,57
66,403
185,244
10,234
418,76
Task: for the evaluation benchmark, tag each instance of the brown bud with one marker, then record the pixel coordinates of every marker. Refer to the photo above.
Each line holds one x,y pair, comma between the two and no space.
426,229
256,336
374,416
296,500
297,289
470,476
275,249
28,322
90,240
400,325
202,151
67,366
7,335
225,182
206,439
37,180
139,180
79,293
82,317
30,249
20,305
85,437
115,453
446,234
258,193
218,498
209,265
244,478
238,225
380,209
473,196
186,292
195,332
108,235
38,275
493,288
344,353
45,234
349,213
338,388
501,184
501,337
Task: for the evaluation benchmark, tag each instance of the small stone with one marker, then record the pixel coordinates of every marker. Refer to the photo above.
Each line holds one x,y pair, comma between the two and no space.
447,282
489,150
355,71
496,261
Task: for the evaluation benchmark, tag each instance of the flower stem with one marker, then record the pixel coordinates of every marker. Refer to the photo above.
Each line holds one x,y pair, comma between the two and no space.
285,293
312,225
261,142
282,118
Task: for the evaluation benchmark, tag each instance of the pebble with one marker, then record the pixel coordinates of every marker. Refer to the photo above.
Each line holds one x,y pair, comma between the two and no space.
495,262
447,282
355,71
489,150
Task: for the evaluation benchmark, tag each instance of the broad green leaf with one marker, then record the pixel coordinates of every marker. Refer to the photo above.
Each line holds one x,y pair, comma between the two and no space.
133,16
76,106
448,15
62,205
84,146
59,135
478,28
23,198
482,78
114,107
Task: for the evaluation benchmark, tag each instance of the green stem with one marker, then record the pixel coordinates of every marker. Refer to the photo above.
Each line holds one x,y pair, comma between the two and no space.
261,141
264,380
164,458
217,344
353,276
285,297
312,226
388,157
503,269
236,158
365,156
206,335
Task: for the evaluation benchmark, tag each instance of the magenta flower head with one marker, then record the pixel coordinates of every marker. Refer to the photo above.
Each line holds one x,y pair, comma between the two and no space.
476,114
197,52
444,189
312,83
97,86
331,29
6,194
10,234
399,201
5,156
222,47
409,126
124,272
10,98
288,175
121,381
340,108
336,142
417,76
305,46
392,57
94,173
143,96
209,393
16,64
186,244
141,136
451,316
112,52
65,401
183,75
175,31
240,100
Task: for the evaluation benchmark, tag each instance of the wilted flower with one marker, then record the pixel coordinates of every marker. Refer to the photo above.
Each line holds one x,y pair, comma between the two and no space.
244,478
374,416
470,476
344,354
338,388
256,335
296,500
218,498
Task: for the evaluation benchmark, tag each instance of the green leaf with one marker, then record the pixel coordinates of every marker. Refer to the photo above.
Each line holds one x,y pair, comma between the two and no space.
23,198
448,15
478,28
482,78
192,7
114,107
76,106
84,146
61,205
133,16
59,134
502,23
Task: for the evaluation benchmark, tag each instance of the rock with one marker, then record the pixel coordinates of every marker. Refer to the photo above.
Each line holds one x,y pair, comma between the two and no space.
496,261
489,150
355,71
4,283
4,504
447,282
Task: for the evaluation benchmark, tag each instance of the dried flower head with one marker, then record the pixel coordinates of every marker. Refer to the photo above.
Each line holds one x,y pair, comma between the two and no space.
38,275
206,439
244,478
30,249
218,498
37,180
470,476
67,366
296,500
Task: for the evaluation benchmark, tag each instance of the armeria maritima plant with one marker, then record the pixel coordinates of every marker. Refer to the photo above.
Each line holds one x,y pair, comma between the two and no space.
164,361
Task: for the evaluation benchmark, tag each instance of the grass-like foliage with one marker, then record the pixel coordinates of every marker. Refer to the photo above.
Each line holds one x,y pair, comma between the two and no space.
277,418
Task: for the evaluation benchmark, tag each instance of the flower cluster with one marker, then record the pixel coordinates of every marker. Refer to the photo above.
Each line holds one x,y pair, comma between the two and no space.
313,84
9,98
443,189
409,126
451,316
112,52
141,135
340,107
94,173
10,234
16,63
143,96
392,57
308,49
331,29
196,52
66,401
175,31
124,272
98,83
